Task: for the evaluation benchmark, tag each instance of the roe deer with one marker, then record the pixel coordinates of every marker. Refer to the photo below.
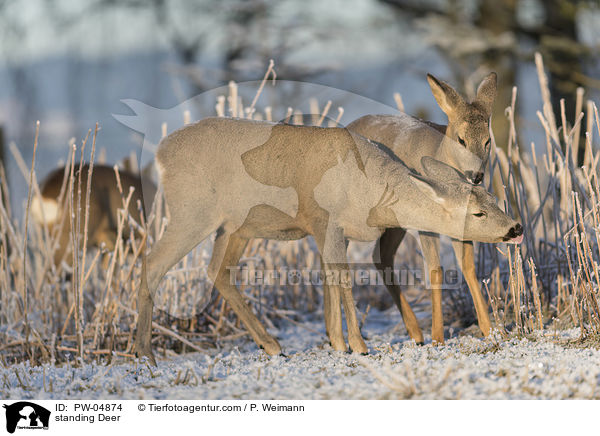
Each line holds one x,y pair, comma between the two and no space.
105,200
253,179
465,145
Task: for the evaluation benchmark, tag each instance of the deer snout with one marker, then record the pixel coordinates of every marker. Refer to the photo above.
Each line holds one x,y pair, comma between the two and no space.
475,177
515,234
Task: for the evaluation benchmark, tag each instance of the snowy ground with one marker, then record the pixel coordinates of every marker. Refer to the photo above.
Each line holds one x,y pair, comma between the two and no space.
465,368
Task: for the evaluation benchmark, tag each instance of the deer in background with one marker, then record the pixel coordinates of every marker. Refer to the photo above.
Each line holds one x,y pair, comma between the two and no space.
248,179
105,200
464,143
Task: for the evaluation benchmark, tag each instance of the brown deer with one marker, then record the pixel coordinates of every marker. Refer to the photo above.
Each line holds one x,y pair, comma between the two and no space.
251,179
464,143
105,200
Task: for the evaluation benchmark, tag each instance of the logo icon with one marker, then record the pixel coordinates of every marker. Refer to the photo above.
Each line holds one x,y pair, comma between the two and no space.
26,415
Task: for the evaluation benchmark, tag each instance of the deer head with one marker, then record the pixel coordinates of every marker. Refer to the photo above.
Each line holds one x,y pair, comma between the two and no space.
468,126
467,212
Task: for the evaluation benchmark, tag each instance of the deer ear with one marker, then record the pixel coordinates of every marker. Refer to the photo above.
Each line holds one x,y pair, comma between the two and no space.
440,171
428,188
486,92
445,95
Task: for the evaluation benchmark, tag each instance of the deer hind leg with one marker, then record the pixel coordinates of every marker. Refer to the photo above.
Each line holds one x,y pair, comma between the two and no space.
383,259
178,240
109,238
227,251
431,251
466,260
63,247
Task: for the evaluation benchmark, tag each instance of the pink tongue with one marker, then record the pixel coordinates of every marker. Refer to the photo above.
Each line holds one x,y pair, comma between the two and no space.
516,240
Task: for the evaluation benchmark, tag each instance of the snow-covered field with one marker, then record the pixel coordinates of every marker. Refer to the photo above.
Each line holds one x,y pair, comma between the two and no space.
465,368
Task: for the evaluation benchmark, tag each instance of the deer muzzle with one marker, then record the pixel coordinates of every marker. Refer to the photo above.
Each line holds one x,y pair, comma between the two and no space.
514,235
475,177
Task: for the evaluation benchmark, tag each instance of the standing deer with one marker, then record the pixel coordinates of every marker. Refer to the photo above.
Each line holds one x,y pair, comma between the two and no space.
105,200
464,143
250,179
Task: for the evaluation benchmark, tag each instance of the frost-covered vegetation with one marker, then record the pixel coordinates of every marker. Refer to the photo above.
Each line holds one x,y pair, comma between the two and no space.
396,368
69,329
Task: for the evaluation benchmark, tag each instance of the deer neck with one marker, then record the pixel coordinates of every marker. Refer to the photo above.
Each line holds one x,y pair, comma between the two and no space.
407,207
390,199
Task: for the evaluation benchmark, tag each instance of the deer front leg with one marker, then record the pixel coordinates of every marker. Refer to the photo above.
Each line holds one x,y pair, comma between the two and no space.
383,259
355,339
333,313
430,245
336,271
466,260
226,254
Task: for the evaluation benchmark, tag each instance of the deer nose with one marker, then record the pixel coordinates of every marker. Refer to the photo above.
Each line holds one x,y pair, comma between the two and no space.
514,233
474,177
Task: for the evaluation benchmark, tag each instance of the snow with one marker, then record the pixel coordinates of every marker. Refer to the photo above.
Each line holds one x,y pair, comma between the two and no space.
466,367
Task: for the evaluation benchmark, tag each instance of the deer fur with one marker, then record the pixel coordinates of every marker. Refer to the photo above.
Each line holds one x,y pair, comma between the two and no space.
105,200
464,143
248,179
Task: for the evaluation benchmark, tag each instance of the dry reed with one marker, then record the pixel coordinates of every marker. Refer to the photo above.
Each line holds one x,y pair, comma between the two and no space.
89,311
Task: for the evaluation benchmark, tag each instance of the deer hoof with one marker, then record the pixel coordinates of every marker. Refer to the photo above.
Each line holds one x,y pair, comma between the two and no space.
272,348
359,347
146,352
339,346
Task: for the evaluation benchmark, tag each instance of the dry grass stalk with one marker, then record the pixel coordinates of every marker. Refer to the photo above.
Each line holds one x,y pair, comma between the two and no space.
553,275
25,294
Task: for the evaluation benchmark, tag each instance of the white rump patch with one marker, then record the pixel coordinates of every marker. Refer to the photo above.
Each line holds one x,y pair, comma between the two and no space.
46,209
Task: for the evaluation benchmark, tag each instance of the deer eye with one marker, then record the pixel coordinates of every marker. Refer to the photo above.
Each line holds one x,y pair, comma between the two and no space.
461,141
480,214
487,143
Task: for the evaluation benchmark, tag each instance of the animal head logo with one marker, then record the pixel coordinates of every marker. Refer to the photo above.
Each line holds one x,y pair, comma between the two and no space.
26,415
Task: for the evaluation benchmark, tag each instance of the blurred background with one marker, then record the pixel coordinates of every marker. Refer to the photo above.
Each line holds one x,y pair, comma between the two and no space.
69,63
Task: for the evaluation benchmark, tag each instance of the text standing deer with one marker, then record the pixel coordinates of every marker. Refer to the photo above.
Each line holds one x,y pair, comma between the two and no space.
250,179
465,145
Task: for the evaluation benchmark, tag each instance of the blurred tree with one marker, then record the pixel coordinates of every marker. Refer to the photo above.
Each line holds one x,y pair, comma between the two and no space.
12,33
238,27
2,161
491,36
